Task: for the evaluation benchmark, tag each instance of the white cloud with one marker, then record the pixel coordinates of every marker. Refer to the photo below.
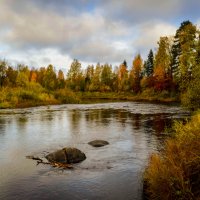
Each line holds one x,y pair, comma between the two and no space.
149,34
38,58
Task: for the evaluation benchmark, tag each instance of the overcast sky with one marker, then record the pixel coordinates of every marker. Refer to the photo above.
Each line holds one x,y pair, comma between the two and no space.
40,32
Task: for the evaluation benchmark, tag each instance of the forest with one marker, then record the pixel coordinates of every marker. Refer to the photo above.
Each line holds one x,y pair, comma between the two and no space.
171,73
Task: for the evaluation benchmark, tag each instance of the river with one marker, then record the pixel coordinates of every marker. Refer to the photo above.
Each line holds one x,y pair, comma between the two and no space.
134,130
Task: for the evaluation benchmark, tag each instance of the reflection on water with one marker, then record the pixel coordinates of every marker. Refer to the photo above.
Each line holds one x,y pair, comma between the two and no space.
134,131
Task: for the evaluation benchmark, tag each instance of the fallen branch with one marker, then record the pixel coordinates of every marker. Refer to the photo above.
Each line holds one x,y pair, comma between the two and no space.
53,164
62,165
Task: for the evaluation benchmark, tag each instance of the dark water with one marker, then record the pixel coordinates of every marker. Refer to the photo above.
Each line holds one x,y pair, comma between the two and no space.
134,131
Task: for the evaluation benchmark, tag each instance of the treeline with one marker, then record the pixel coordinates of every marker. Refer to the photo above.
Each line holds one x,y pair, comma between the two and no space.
174,68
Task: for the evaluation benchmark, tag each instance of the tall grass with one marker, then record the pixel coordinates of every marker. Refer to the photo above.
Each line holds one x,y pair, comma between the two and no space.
175,172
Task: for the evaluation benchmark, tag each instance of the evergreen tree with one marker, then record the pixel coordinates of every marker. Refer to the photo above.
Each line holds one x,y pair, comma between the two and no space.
3,67
149,64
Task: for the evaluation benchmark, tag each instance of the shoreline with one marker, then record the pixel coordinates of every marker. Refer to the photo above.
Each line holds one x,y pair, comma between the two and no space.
93,98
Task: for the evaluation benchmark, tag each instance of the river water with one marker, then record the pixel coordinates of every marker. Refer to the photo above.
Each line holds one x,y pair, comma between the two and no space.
134,130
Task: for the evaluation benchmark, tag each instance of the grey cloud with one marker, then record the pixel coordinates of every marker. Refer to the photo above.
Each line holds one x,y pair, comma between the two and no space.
99,51
38,29
140,10
89,29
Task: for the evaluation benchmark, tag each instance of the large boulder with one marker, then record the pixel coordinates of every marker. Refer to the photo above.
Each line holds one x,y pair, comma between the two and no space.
66,155
98,143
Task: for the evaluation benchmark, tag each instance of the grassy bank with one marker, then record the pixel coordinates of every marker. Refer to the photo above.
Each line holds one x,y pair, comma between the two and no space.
35,95
146,95
175,172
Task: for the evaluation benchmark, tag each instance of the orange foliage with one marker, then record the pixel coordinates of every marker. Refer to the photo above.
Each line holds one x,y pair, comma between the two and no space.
33,76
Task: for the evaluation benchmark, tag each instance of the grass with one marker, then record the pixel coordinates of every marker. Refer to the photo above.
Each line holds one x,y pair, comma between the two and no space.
175,172
146,95
35,95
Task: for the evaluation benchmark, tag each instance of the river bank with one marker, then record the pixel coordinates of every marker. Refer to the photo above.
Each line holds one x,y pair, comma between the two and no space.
174,173
146,96
31,97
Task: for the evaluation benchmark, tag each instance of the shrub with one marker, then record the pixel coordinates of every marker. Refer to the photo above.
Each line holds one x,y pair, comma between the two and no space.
175,172
191,98
28,95
66,96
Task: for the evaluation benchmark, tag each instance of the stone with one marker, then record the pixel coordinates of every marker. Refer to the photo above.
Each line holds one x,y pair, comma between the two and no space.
66,155
98,143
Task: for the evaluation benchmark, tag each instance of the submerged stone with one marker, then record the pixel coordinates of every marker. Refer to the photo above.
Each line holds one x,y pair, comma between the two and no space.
66,155
98,143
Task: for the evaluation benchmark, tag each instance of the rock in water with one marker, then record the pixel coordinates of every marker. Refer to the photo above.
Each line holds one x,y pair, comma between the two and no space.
66,155
98,143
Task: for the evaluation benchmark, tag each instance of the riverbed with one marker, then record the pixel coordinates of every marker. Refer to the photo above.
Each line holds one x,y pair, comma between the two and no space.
133,129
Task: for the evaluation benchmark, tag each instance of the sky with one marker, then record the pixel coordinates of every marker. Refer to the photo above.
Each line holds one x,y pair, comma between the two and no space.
42,32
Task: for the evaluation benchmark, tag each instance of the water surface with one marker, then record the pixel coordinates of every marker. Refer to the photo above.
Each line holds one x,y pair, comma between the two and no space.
134,130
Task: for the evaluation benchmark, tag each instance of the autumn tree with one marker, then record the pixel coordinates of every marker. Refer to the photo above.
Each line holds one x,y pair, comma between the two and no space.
89,73
135,75
40,76
198,50
191,96
123,77
22,79
75,77
23,75
61,79
11,75
115,79
106,77
96,79
183,52
162,64
50,78
33,75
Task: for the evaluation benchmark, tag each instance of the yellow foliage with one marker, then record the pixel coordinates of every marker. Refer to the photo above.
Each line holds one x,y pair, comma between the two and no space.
175,173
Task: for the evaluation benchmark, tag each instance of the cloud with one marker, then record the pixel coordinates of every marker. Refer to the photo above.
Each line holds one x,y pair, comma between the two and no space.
38,58
138,11
86,36
89,30
149,34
